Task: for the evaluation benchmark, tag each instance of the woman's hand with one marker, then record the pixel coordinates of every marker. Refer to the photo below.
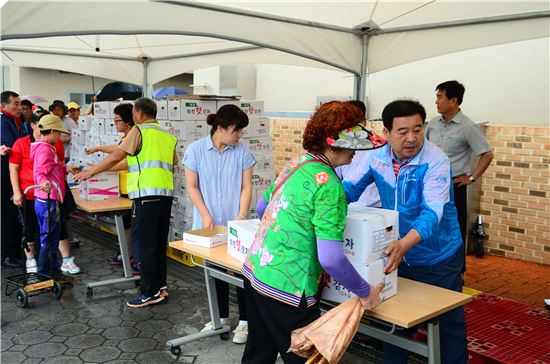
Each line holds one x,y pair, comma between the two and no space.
17,199
207,222
373,298
46,186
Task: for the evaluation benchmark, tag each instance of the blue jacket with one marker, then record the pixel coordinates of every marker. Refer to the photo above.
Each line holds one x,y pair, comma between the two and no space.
423,195
8,135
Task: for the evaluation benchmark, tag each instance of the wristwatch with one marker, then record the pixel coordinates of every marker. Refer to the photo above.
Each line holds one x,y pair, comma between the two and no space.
472,179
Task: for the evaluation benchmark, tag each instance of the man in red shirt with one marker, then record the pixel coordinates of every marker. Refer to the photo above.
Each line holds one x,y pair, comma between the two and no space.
21,177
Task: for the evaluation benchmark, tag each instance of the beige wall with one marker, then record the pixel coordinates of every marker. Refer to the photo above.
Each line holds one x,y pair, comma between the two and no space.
515,190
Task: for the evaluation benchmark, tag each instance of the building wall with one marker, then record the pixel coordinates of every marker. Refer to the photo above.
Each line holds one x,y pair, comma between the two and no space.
515,190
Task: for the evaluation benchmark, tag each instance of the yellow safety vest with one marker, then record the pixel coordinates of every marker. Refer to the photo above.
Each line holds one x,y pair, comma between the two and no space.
150,172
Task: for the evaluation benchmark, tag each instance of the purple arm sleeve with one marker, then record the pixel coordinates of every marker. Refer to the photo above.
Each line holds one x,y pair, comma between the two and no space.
260,207
334,262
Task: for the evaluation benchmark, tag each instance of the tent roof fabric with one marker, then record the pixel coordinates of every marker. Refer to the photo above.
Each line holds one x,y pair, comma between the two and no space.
112,39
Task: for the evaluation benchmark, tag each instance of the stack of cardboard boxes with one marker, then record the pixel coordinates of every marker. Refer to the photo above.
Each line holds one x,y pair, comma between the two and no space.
368,233
93,131
186,119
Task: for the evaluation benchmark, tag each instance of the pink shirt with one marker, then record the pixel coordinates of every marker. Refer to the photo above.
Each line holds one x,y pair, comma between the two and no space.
48,167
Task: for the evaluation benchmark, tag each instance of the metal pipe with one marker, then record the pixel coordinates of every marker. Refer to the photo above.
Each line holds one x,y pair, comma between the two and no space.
448,24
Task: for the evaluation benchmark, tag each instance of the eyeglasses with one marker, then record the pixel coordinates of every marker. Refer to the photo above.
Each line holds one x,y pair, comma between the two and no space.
118,120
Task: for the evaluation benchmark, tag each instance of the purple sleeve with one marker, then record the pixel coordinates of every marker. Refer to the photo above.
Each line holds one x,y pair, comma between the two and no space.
260,207
334,262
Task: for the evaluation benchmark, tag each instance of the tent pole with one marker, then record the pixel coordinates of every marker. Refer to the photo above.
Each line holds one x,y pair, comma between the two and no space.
361,80
146,91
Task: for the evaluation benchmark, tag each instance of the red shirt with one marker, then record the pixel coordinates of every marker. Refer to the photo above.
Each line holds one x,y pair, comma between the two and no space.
21,155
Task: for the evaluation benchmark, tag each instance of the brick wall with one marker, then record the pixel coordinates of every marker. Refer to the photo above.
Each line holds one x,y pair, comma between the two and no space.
515,190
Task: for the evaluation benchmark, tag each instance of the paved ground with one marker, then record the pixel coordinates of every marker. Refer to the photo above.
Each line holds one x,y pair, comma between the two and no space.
80,329
77,328
520,281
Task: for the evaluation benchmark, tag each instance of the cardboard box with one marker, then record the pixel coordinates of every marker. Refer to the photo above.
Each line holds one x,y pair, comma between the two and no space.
253,109
372,273
85,122
100,187
162,109
197,109
174,111
368,233
259,144
102,110
262,180
189,130
206,238
257,128
240,235
264,162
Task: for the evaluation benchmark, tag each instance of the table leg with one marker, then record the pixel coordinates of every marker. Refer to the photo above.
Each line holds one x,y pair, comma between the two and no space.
217,328
434,349
125,260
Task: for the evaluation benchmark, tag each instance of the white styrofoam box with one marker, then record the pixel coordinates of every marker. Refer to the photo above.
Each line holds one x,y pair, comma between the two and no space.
372,273
100,187
180,224
240,235
368,233
174,110
257,128
205,237
189,130
259,144
162,109
76,137
180,149
110,127
102,109
85,122
96,157
253,109
262,180
264,162
98,127
197,109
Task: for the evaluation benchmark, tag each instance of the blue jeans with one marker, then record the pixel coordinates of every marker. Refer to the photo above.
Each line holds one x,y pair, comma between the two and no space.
49,234
452,324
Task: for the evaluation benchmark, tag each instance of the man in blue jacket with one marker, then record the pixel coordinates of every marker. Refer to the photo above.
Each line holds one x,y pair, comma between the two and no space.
11,130
413,176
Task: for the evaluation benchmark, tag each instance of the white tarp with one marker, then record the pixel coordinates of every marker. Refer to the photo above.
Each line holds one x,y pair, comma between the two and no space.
178,37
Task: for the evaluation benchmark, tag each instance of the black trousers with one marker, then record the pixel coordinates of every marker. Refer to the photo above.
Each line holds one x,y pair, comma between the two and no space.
150,225
11,227
222,291
461,203
452,324
270,324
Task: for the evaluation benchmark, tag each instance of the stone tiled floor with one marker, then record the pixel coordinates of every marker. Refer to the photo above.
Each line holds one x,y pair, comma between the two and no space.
77,328
101,328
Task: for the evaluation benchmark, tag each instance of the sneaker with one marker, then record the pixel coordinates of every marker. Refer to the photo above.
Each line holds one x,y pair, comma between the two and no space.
241,334
30,266
68,266
208,326
141,300
117,260
163,291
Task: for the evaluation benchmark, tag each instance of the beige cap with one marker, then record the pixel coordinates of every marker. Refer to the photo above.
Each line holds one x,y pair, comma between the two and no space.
51,122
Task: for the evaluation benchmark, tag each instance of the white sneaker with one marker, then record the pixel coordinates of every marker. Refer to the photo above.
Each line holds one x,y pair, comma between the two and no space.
208,326
241,334
68,266
30,266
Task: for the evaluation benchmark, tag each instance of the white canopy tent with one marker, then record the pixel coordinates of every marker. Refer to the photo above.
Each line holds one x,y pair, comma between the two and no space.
145,42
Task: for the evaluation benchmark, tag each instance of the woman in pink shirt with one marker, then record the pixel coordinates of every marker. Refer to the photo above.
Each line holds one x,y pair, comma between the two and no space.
49,173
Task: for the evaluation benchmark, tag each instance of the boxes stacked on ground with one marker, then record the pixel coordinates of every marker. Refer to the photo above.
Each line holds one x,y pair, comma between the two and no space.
96,130
368,233
186,119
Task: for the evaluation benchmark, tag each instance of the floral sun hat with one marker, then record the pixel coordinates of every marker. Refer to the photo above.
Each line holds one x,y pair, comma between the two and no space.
356,138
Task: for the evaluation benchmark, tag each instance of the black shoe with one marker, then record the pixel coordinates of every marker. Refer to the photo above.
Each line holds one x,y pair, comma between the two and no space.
12,263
